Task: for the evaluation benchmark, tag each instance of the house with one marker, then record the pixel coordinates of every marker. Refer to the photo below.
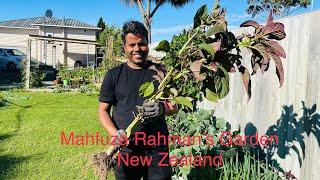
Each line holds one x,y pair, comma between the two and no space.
53,40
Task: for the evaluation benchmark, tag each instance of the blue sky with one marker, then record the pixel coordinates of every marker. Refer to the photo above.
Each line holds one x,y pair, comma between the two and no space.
166,22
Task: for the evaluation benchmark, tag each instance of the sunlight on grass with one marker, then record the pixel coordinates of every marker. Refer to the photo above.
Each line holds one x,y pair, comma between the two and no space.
30,136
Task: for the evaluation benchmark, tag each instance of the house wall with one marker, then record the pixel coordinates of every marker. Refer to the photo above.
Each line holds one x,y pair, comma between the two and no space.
18,39
270,105
78,52
74,52
46,48
43,52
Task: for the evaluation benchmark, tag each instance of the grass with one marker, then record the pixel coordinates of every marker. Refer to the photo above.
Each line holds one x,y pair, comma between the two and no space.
249,169
30,136
30,129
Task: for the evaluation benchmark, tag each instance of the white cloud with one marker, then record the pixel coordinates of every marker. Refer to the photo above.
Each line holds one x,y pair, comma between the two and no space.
233,27
237,18
169,30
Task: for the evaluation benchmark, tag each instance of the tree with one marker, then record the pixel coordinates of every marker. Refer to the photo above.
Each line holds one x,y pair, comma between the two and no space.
101,24
115,34
147,14
280,7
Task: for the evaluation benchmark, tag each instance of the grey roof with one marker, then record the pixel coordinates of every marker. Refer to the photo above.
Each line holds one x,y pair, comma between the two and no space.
31,23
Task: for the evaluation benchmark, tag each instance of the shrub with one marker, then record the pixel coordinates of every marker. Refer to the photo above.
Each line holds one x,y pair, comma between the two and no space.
238,162
89,89
36,74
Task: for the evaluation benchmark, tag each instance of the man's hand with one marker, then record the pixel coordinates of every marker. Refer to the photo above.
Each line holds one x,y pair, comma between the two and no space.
120,138
151,109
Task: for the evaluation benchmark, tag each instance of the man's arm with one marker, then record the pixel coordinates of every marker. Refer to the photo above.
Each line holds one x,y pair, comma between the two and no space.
105,118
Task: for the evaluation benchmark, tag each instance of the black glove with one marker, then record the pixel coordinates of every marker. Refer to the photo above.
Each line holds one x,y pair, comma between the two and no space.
120,139
151,109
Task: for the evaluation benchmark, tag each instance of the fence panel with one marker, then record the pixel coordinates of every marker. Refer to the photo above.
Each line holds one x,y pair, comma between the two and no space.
270,105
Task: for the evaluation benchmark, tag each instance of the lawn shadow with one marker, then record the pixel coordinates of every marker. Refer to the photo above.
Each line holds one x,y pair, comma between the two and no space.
8,78
291,131
5,136
8,162
44,104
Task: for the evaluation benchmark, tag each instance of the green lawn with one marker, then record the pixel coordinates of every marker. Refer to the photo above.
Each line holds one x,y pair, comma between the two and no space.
30,131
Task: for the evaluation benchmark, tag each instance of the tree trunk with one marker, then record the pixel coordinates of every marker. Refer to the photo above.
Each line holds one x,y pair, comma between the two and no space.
149,33
148,20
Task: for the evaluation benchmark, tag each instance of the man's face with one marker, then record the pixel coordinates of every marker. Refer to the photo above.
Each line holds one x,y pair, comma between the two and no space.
136,48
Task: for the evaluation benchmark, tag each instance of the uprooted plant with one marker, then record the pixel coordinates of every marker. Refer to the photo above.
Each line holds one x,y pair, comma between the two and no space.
199,61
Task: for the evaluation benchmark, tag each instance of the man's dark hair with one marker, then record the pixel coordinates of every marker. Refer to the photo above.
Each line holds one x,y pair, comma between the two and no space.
134,27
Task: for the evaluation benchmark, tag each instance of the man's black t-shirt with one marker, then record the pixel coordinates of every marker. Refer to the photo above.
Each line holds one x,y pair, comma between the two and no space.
120,88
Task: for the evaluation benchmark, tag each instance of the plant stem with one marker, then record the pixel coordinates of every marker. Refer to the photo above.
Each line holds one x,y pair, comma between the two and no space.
189,40
163,82
112,149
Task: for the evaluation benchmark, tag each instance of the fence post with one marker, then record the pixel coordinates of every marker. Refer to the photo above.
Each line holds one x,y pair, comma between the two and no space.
27,86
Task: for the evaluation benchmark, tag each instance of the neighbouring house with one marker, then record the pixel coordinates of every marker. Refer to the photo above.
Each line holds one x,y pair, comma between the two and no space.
53,40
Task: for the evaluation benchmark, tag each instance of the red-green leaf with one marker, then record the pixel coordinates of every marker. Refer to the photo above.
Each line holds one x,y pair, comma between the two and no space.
158,70
264,66
274,31
211,96
195,68
216,8
217,45
270,18
245,79
279,68
276,48
255,68
250,23
225,87
208,48
261,48
157,77
201,12
213,66
215,29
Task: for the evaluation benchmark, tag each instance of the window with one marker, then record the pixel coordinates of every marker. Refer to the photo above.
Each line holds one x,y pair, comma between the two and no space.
1,53
49,34
18,53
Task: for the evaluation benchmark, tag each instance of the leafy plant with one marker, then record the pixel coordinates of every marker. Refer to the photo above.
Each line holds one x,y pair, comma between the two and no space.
115,34
264,47
238,162
203,56
198,124
82,76
36,74
89,89
247,169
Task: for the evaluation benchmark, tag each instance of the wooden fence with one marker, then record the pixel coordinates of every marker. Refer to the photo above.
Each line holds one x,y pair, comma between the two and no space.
284,111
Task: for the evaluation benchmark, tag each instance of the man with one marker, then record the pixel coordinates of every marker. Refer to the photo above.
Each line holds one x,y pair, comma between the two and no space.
120,89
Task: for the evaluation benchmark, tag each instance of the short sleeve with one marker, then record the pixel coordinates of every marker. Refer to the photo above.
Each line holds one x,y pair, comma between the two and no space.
107,94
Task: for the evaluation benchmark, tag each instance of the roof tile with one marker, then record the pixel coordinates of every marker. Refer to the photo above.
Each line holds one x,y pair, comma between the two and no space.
33,22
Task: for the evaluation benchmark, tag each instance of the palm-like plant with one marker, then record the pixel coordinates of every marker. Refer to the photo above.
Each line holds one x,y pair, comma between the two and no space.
147,13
